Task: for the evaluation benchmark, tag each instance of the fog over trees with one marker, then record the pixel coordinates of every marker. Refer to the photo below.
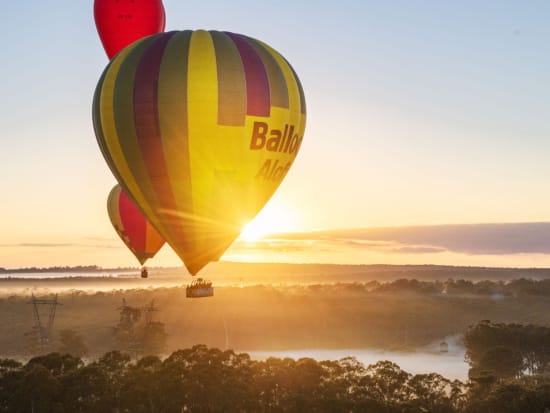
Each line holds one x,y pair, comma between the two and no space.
135,350
404,314
203,379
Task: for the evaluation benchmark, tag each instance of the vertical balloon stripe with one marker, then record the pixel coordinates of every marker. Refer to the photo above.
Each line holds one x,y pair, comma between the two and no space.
112,209
146,118
257,84
98,127
153,241
137,175
111,141
294,96
300,89
133,223
202,100
277,84
231,81
174,129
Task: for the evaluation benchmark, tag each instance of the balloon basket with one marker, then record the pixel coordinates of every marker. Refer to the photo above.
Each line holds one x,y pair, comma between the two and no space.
199,288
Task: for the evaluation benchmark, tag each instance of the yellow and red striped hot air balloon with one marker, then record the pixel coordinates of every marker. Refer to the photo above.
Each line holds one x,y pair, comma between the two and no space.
132,227
199,127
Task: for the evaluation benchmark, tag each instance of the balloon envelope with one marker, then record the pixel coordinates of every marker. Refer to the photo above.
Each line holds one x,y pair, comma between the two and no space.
132,227
122,22
200,128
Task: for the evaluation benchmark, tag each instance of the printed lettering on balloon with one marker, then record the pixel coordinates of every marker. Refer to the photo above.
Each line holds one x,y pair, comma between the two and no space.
274,140
278,141
273,171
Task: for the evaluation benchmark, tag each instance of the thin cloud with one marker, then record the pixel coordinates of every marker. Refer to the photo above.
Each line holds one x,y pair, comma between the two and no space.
278,245
417,250
103,239
58,245
474,239
39,245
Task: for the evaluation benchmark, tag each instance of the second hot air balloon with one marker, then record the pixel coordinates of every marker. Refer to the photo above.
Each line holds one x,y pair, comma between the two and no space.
200,128
132,227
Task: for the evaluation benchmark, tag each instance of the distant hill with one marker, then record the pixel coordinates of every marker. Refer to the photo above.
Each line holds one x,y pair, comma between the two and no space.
76,269
238,272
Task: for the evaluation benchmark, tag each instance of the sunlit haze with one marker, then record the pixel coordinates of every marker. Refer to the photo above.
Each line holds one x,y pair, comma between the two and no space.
418,115
275,217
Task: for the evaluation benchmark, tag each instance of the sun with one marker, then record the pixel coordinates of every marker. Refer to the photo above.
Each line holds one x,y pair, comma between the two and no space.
275,217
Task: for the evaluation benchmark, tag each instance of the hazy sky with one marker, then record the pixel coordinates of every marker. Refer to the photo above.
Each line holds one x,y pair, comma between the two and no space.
419,112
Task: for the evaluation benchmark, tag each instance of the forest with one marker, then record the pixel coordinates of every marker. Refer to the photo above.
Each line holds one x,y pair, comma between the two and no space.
137,349
203,379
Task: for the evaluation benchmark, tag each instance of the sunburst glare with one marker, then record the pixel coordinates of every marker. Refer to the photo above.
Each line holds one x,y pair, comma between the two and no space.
274,218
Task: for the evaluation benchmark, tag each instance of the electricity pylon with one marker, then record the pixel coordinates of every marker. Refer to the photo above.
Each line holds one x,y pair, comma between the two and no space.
42,329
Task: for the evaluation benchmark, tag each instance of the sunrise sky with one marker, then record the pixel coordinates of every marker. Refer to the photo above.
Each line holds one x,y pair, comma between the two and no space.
420,114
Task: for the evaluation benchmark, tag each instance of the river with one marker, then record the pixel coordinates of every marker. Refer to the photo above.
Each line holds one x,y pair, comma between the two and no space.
426,360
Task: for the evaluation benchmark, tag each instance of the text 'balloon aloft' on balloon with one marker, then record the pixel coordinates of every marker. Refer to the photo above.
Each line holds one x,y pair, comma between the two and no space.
274,140
199,128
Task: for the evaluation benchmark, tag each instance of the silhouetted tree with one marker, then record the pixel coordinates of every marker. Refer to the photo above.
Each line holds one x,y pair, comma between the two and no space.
10,378
387,384
433,393
36,391
507,350
114,365
87,389
140,391
57,364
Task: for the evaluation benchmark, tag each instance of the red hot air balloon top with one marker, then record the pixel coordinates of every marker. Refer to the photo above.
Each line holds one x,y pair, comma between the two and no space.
122,22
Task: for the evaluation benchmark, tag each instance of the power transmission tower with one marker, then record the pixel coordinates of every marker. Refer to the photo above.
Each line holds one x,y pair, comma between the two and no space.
149,312
125,332
137,335
153,335
42,332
